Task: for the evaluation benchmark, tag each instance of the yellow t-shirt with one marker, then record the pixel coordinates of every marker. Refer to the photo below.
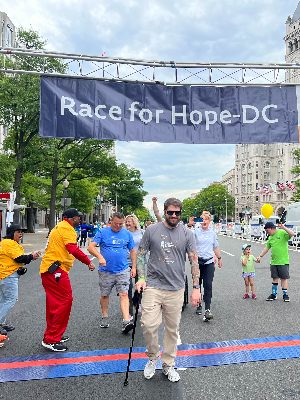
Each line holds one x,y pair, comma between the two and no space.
62,234
9,250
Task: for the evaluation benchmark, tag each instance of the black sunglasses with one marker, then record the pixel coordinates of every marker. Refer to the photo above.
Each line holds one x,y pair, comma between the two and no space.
177,213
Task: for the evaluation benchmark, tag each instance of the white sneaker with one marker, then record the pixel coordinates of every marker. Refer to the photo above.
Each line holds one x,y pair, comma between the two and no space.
150,368
172,375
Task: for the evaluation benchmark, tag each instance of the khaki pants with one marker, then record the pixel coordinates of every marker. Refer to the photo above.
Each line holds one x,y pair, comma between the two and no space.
155,303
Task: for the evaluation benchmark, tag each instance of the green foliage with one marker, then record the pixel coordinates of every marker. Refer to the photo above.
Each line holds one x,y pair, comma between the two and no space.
296,170
213,199
36,190
82,194
143,214
128,186
8,167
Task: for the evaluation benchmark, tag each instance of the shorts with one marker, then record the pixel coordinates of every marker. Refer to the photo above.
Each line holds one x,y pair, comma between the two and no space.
280,271
246,274
108,281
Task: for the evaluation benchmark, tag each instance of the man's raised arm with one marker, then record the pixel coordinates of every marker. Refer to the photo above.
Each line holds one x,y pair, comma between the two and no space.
156,210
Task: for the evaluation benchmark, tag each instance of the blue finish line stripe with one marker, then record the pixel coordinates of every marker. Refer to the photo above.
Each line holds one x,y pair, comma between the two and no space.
200,355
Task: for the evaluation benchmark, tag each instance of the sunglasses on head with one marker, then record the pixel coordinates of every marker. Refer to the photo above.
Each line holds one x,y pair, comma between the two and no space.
177,213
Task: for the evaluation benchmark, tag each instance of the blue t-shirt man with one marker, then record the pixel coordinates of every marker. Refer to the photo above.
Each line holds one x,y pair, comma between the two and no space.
113,247
84,228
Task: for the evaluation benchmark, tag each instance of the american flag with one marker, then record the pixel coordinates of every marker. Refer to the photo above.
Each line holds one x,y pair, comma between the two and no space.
280,185
290,185
103,54
258,188
266,189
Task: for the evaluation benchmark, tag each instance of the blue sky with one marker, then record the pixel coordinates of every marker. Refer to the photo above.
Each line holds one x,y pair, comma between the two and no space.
198,30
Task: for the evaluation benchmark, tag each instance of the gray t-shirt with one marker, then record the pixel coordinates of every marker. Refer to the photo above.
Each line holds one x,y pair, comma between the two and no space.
168,248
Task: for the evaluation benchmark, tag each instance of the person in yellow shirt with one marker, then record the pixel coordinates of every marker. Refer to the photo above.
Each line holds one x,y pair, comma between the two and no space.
57,261
12,260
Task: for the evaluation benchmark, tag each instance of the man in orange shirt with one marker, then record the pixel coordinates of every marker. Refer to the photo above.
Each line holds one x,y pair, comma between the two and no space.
60,254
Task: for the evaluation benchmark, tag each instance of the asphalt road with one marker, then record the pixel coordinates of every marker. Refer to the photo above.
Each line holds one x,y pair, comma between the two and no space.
234,319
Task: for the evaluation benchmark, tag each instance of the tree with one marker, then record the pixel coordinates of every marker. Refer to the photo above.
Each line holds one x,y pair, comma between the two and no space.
74,160
127,187
19,100
296,170
143,214
213,199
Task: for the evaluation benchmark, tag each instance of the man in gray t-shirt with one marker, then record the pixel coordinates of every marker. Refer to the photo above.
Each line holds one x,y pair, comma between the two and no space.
168,243
168,249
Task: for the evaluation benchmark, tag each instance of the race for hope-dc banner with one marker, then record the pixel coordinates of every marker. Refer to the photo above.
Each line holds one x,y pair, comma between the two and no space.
93,109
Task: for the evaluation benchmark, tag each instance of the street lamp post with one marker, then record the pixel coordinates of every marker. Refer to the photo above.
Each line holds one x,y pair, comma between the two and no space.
99,199
226,210
65,185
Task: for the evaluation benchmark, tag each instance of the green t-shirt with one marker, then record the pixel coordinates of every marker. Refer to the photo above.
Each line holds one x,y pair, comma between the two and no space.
250,264
278,243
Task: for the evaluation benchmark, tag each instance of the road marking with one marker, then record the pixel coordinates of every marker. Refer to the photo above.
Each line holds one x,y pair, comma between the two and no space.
232,255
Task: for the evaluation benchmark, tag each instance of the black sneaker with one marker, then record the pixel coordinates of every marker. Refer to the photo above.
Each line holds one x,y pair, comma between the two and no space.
286,297
272,297
7,328
64,339
199,309
207,316
127,326
55,346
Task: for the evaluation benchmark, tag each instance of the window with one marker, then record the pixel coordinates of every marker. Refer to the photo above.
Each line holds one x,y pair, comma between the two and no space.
256,175
280,175
237,156
237,179
256,164
280,164
250,188
269,153
236,190
265,152
267,165
249,177
243,167
266,176
264,198
249,166
256,198
243,188
243,178
256,150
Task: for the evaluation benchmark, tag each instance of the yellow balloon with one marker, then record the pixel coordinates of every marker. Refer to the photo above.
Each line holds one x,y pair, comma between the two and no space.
267,210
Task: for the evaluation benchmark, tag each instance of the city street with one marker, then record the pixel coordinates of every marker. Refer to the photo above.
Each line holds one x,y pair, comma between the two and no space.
234,319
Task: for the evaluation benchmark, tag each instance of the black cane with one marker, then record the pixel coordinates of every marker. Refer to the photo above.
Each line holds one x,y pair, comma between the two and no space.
139,295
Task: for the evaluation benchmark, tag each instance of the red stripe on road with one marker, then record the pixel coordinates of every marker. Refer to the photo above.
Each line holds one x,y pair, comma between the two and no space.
77,360
180,353
183,353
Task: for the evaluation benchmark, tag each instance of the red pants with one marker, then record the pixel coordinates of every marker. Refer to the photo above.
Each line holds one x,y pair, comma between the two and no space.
59,300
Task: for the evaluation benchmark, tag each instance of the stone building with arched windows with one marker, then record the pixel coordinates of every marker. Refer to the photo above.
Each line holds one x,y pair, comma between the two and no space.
259,164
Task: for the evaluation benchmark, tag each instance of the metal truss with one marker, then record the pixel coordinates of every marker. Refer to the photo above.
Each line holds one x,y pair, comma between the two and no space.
152,71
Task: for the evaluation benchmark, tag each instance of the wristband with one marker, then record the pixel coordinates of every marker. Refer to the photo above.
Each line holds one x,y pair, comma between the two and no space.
219,258
141,278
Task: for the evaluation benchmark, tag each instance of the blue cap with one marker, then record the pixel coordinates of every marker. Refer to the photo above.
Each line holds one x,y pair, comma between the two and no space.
245,246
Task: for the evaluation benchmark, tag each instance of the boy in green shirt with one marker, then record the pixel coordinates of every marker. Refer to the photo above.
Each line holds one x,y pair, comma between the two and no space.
279,265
